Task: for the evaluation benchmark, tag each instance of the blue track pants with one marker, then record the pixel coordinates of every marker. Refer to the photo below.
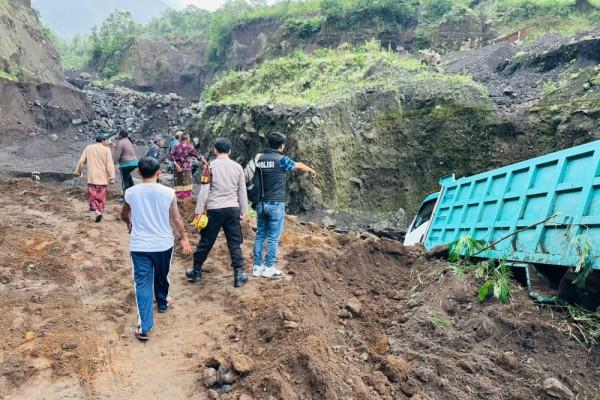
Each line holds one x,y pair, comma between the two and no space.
151,278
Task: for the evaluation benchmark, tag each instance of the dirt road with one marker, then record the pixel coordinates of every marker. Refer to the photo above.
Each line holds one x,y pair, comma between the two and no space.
67,282
355,318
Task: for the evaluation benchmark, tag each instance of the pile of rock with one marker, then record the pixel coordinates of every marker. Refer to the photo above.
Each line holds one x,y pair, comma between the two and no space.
142,114
221,372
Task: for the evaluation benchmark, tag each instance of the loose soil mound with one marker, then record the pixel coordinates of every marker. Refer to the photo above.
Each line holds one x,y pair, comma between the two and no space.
419,332
354,318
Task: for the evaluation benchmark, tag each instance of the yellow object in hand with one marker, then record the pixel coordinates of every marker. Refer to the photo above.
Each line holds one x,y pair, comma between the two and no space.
200,222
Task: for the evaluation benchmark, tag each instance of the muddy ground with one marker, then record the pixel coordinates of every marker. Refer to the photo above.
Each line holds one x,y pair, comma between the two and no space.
354,318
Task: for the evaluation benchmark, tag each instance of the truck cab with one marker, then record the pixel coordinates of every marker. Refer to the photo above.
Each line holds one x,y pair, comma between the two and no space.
420,225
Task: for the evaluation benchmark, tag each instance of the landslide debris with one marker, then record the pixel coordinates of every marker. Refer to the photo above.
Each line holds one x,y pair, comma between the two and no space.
419,333
545,93
142,114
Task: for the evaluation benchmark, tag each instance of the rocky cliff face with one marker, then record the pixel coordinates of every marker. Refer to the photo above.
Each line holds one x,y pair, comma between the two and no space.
547,95
383,151
150,65
184,68
377,152
461,28
34,96
158,66
266,38
569,109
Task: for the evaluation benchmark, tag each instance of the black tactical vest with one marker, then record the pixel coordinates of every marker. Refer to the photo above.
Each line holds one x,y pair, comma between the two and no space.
273,178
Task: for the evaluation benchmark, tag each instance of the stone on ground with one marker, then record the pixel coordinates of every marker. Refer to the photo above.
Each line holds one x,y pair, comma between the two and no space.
354,306
556,389
243,364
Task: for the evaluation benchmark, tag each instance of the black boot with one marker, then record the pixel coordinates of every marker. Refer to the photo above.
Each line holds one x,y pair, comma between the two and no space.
239,277
193,274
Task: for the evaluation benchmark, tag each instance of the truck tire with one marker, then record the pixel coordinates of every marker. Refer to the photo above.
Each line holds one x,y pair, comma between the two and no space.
587,297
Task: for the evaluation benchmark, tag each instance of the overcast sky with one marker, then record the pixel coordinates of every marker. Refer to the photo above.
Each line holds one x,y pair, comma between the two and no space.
68,17
206,4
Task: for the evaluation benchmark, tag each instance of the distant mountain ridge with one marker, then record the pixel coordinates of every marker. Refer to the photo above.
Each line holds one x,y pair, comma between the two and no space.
68,17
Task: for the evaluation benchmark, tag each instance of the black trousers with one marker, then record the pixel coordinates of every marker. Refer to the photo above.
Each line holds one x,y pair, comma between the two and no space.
126,178
229,220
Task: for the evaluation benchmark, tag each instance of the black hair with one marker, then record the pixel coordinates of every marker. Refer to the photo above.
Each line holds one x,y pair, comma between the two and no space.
123,133
148,167
276,139
223,145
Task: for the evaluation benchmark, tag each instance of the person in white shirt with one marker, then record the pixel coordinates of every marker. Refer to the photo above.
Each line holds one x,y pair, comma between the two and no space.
149,210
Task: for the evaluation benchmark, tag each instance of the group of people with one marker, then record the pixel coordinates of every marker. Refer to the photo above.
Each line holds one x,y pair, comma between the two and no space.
101,157
151,212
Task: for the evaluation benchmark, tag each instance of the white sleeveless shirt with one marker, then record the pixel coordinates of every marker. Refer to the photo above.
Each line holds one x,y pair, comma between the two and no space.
151,227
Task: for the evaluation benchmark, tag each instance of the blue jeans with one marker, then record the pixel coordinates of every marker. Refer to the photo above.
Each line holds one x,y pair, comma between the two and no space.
150,274
270,219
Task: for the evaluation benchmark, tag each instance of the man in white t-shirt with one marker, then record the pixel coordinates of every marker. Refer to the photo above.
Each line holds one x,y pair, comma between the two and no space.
149,210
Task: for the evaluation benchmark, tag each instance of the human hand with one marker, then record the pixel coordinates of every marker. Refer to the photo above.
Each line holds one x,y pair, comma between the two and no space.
178,168
312,173
243,217
77,174
111,181
187,247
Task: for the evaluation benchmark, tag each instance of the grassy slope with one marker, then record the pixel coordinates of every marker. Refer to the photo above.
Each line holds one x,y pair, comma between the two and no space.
323,77
543,17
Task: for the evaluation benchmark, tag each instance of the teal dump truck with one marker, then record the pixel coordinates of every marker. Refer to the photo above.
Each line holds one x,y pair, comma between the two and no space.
533,213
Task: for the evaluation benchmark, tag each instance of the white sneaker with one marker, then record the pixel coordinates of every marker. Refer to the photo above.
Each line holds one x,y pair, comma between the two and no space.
271,273
257,271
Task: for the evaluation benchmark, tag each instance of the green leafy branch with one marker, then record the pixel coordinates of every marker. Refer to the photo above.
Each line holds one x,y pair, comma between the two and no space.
496,276
584,266
497,281
466,247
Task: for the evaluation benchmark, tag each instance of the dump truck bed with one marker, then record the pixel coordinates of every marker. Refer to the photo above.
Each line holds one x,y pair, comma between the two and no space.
548,201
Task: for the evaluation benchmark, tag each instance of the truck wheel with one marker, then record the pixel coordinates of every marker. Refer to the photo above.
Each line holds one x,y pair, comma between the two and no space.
567,290
587,297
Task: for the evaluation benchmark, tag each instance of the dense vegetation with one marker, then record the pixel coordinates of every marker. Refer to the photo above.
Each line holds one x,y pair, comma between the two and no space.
322,77
346,13
104,46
